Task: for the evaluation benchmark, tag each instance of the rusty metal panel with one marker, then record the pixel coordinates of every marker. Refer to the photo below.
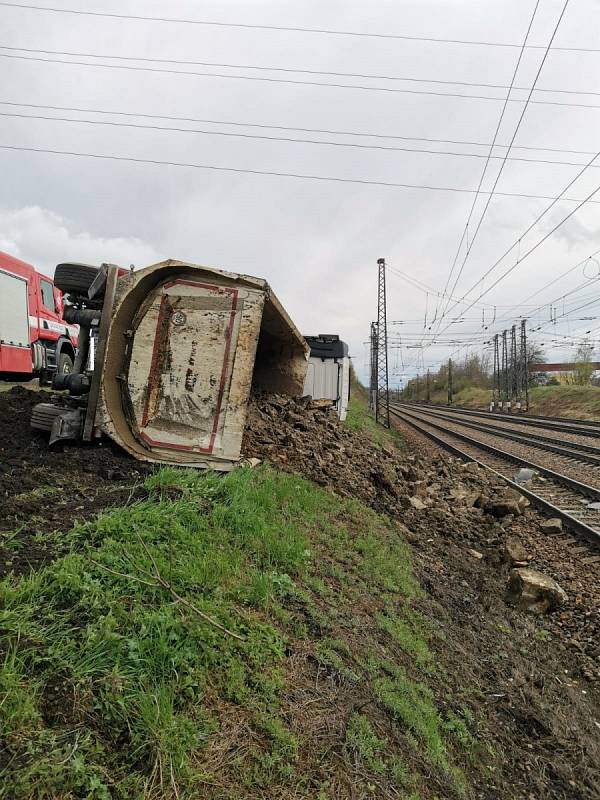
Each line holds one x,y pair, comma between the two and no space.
182,351
180,366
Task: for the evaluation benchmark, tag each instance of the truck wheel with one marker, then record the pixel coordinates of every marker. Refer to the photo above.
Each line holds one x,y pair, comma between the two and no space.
43,415
65,364
74,278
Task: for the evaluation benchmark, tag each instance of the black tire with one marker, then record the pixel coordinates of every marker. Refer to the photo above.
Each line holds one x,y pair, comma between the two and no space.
74,278
65,364
43,415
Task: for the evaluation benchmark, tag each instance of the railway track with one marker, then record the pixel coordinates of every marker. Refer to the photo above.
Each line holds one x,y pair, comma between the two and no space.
576,502
570,445
579,427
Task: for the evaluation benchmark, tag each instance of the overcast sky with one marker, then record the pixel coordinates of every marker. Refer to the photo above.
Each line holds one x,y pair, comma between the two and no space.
316,242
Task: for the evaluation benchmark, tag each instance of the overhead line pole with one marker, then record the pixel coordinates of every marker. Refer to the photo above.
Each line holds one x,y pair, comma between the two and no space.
514,367
373,368
524,365
382,406
505,402
496,380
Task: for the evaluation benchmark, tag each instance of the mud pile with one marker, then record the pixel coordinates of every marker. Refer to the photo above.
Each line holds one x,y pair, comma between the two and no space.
302,436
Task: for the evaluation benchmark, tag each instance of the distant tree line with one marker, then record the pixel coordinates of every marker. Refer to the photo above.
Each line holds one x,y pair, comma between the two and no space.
475,371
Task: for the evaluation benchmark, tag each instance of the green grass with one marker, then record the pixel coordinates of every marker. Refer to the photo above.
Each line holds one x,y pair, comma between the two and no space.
139,663
567,401
115,683
411,634
412,705
361,420
369,748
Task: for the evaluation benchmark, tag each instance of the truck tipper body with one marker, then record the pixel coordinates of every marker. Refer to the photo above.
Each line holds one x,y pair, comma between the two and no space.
35,340
178,350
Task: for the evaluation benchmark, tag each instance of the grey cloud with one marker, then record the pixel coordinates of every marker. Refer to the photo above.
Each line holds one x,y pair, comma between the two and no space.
317,243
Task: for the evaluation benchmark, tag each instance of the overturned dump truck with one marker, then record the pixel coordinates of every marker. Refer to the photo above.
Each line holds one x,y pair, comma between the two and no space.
168,356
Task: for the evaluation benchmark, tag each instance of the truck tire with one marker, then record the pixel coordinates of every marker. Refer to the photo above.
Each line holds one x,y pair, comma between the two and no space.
43,415
65,364
74,278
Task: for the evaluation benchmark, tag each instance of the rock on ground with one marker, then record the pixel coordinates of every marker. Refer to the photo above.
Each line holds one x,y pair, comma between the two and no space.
533,591
553,525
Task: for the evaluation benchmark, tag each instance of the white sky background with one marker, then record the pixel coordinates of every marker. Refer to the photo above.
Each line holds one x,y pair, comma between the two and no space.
316,242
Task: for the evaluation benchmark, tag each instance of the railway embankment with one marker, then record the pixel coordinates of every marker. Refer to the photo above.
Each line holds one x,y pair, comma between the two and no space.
346,617
582,402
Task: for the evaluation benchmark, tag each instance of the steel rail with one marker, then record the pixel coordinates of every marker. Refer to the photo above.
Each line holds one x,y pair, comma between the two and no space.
591,534
580,452
582,427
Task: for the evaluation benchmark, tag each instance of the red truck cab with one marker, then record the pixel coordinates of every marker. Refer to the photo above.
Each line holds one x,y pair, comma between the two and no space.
35,340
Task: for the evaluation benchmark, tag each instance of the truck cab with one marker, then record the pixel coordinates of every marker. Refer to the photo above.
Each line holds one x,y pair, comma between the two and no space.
328,375
35,340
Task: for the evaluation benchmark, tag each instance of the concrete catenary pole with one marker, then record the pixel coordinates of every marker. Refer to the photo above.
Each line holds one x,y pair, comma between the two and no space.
505,377
373,368
524,363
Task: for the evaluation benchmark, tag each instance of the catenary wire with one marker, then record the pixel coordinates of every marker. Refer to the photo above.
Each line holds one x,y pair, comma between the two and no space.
536,245
325,84
260,68
516,130
531,226
326,131
563,275
283,28
289,139
443,303
273,173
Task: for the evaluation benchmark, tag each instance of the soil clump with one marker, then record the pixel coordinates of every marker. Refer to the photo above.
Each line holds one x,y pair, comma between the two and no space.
44,489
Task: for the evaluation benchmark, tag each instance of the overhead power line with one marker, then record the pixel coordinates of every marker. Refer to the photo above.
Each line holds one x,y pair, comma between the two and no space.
261,68
514,136
520,259
285,28
288,139
465,234
273,173
533,248
556,280
423,287
262,126
290,81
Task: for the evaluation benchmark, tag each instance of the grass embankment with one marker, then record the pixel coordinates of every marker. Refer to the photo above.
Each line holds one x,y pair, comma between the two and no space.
582,402
566,401
361,420
114,684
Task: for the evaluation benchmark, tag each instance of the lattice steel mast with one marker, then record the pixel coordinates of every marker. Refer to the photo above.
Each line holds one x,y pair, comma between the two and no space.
382,407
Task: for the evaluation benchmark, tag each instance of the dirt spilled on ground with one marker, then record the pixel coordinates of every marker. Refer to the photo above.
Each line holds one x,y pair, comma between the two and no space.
45,489
530,683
